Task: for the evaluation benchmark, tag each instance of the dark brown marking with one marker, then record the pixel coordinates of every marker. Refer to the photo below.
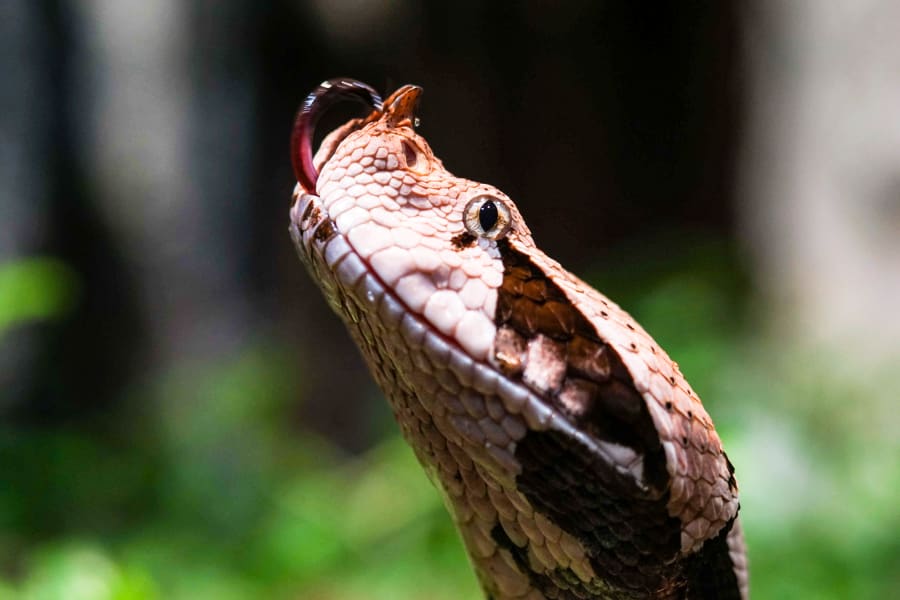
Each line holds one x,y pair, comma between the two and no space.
588,359
632,542
535,290
463,240
556,318
324,232
710,572
564,316
622,401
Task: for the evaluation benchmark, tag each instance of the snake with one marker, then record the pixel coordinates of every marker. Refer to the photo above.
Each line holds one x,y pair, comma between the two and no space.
574,458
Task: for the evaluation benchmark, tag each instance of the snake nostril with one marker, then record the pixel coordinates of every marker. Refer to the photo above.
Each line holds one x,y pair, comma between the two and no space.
410,154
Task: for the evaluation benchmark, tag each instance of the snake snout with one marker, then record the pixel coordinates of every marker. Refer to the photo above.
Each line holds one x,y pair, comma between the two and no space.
328,93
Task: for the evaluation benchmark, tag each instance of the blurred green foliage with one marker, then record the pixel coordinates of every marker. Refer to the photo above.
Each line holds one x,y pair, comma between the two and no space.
215,491
34,289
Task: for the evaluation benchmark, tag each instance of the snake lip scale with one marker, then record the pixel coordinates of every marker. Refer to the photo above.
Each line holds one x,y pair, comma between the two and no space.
574,458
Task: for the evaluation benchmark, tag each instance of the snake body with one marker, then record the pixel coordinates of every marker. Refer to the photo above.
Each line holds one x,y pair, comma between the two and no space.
573,456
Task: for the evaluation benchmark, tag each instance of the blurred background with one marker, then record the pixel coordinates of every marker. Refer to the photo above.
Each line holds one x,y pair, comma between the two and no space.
181,416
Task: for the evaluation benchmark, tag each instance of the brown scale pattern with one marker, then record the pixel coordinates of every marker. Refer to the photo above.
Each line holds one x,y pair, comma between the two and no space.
599,394
703,492
595,389
620,519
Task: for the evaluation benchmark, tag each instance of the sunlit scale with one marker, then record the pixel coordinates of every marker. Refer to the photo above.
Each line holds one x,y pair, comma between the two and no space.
392,263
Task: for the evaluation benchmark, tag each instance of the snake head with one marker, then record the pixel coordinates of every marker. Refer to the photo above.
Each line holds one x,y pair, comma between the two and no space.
430,238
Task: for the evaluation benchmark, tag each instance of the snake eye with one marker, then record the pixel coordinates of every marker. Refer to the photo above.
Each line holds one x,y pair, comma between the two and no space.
487,216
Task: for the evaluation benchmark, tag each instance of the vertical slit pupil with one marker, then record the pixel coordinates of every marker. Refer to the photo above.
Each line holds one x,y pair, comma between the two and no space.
487,215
